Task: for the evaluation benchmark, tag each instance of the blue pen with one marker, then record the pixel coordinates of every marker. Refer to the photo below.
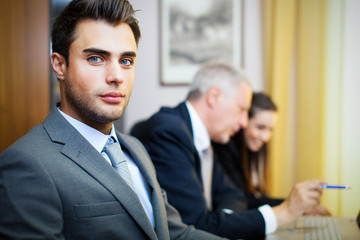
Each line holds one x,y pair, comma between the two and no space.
326,186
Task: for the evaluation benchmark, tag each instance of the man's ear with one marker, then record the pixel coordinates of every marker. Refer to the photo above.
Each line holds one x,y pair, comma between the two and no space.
213,96
58,64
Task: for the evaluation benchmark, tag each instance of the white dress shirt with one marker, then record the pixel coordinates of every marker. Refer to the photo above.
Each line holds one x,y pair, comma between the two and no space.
204,149
202,142
98,140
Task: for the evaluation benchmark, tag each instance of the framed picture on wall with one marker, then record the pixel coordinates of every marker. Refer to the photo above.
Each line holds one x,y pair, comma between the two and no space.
197,31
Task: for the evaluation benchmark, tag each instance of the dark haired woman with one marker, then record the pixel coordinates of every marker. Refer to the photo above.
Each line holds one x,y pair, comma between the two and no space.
244,158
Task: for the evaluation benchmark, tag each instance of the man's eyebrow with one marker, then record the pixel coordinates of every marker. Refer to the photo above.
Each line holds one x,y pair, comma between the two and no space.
96,50
107,53
129,53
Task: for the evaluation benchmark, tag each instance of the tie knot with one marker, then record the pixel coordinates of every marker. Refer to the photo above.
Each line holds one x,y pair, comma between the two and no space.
110,141
113,150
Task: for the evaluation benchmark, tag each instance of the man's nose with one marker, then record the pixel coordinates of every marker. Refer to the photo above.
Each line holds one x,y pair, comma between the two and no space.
114,73
243,120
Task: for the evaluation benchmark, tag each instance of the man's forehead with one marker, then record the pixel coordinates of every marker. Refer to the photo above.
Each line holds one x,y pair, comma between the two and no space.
89,31
245,89
244,95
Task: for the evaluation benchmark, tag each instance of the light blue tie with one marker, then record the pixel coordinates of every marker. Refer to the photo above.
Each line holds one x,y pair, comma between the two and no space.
118,160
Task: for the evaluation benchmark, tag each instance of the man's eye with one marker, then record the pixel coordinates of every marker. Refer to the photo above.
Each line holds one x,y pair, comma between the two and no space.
94,59
126,62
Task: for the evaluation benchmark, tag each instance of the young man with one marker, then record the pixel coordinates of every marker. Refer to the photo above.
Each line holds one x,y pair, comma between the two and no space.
58,182
178,141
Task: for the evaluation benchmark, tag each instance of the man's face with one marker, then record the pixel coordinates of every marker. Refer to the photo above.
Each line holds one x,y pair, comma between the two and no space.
231,114
98,81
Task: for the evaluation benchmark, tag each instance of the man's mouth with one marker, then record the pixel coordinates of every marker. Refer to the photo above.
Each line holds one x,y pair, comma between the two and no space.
112,97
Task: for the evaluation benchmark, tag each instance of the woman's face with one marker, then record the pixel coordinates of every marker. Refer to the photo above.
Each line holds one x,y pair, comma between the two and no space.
259,129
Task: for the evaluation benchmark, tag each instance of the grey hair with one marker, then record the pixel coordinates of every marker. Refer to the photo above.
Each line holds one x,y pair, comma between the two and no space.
216,74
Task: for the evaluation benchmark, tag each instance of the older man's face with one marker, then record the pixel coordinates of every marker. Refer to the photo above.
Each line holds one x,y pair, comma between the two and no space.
231,114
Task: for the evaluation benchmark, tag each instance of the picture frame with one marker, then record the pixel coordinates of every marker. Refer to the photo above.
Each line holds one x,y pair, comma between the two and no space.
194,32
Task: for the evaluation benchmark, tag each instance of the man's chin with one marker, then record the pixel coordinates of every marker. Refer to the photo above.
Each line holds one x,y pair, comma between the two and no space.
105,117
223,140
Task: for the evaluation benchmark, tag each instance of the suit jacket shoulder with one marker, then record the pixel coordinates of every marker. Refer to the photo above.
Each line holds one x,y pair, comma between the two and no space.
55,185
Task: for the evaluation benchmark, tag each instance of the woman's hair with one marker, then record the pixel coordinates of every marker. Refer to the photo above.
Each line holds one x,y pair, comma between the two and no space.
219,74
259,102
113,12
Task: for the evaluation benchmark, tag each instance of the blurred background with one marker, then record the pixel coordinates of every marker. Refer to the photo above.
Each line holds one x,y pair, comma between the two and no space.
304,53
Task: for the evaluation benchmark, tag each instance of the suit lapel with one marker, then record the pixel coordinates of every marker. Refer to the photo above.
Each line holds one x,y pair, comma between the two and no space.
79,150
137,156
183,112
142,160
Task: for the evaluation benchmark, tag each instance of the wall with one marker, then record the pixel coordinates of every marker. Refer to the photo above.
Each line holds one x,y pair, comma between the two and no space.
24,67
148,94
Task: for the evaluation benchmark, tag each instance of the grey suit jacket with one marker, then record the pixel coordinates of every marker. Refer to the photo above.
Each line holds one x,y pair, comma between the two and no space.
55,185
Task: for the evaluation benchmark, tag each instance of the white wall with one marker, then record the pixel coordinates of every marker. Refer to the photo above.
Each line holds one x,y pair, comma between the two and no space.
148,94
350,130
253,47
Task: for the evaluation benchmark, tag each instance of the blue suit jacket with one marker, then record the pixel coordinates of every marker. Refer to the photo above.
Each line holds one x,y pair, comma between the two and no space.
168,137
55,185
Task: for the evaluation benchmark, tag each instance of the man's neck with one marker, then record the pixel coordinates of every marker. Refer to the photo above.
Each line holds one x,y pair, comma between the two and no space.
105,128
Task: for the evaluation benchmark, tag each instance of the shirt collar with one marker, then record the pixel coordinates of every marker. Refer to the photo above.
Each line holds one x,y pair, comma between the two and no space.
201,135
96,138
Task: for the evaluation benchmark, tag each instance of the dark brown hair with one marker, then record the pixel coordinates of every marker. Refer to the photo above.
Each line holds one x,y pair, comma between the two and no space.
112,11
259,102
